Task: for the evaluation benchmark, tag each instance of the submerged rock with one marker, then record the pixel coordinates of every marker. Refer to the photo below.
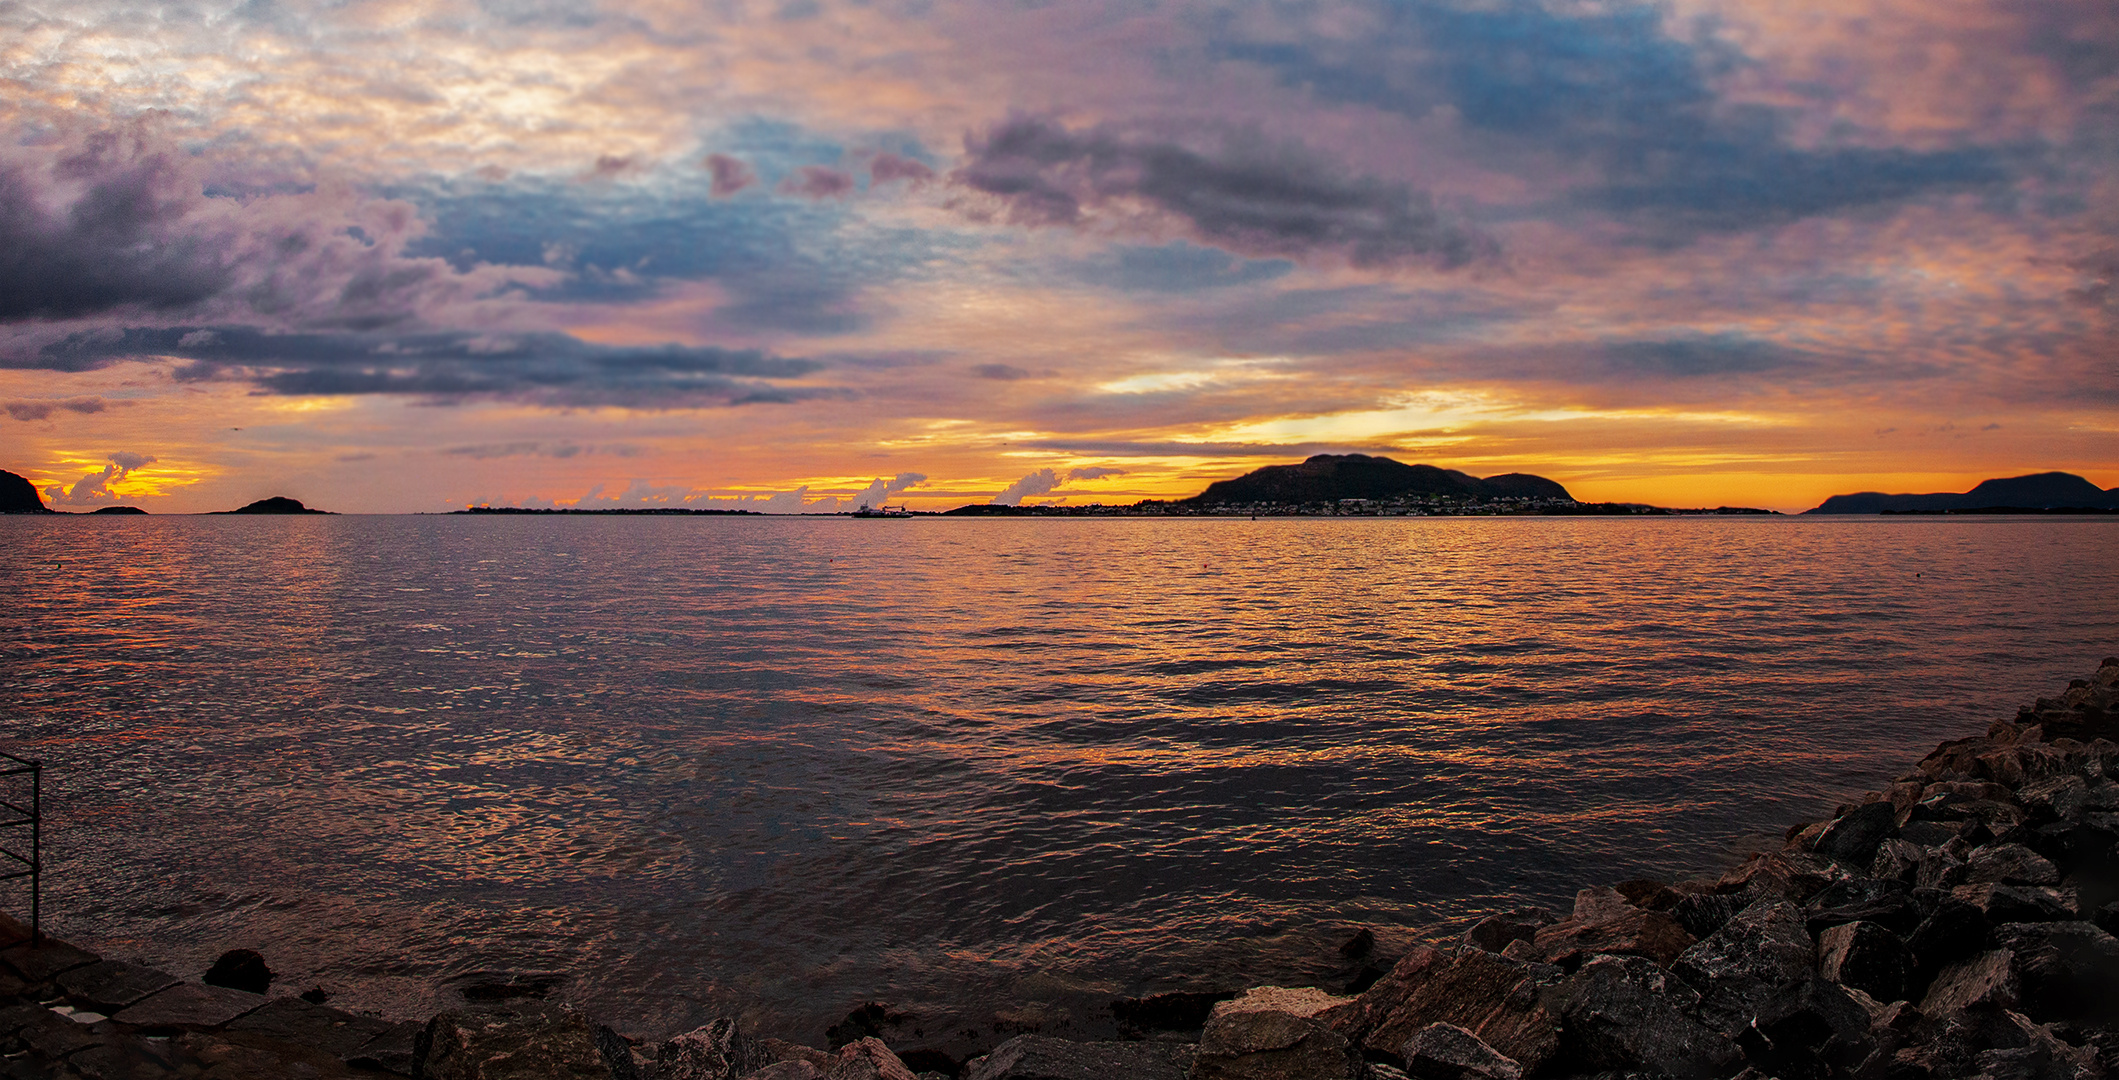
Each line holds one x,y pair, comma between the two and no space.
240,969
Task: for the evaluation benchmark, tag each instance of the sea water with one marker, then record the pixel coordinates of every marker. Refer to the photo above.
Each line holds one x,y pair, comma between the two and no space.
992,773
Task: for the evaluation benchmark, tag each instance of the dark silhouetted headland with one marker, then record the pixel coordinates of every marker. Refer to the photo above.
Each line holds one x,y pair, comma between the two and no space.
278,504
19,496
2036,493
121,510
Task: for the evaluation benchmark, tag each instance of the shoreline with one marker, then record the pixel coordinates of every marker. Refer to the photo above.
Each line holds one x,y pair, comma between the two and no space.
1955,925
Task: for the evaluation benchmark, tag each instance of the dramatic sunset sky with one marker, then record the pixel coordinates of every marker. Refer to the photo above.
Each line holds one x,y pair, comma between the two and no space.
408,255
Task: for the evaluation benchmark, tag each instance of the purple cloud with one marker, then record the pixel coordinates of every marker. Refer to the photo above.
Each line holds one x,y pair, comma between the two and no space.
886,167
817,182
42,410
730,175
1244,195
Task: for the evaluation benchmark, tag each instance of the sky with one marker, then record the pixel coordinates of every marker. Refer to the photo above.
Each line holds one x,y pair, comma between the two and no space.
414,255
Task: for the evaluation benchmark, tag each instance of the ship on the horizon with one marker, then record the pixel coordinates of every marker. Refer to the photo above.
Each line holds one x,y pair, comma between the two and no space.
867,511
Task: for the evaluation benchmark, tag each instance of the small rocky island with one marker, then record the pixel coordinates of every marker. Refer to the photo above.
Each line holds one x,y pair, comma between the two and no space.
278,504
1957,925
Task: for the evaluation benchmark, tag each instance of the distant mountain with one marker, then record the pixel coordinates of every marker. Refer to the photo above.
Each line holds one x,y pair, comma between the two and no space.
118,510
278,504
2039,491
19,496
1332,477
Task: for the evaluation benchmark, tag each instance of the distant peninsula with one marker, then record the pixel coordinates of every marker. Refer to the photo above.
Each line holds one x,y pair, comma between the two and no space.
2038,493
118,511
19,496
278,504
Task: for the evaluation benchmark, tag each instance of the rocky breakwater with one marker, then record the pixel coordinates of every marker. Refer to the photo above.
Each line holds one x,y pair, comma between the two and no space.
1955,926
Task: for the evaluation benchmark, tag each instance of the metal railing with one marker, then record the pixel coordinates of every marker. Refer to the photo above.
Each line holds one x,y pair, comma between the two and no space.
31,815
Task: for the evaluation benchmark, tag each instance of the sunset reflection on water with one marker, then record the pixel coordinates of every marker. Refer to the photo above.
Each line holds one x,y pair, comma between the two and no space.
778,767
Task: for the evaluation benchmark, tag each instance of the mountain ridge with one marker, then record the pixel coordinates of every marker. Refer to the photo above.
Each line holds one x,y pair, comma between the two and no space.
2030,492
1333,477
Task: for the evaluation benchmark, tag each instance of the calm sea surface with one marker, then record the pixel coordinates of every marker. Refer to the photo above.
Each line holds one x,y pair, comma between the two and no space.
985,771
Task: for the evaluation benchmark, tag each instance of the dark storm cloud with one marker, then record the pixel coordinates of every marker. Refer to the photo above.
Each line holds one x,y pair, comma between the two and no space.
546,368
119,240
1242,194
1607,86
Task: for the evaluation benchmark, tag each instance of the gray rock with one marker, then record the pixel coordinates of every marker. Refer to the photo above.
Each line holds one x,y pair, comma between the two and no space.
1625,1013
1760,954
189,1006
1491,996
40,962
1987,979
1866,957
516,1041
2060,797
1448,1052
110,985
1494,932
1272,1033
867,1058
1782,875
1814,1029
394,1049
293,1020
796,1069
712,1051
2009,864
1855,836
1896,860
1604,921
1040,1057
2065,970
1701,914
2018,903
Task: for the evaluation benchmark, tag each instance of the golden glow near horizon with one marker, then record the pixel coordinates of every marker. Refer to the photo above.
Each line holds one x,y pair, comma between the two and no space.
391,256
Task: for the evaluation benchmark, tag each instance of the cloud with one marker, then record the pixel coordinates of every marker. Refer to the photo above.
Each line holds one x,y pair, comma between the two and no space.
1000,372
1242,195
817,182
880,491
1093,472
730,175
1177,268
1606,86
41,410
541,368
613,166
120,220
95,487
1037,483
886,167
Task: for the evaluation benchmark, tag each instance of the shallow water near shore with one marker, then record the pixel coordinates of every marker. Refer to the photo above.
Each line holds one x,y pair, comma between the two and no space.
992,772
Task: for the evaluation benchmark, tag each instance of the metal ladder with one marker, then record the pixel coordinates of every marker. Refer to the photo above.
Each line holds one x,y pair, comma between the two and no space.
31,815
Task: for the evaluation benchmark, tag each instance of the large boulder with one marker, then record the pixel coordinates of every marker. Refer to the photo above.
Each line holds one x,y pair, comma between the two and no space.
1040,1057
1604,921
1986,980
1275,1033
1491,996
1759,955
240,969
867,1058
1853,838
2009,864
1495,932
1625,1014
2064,970
1448,1052
518,1041
1866,957
1784,875
714,1050
2018,903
